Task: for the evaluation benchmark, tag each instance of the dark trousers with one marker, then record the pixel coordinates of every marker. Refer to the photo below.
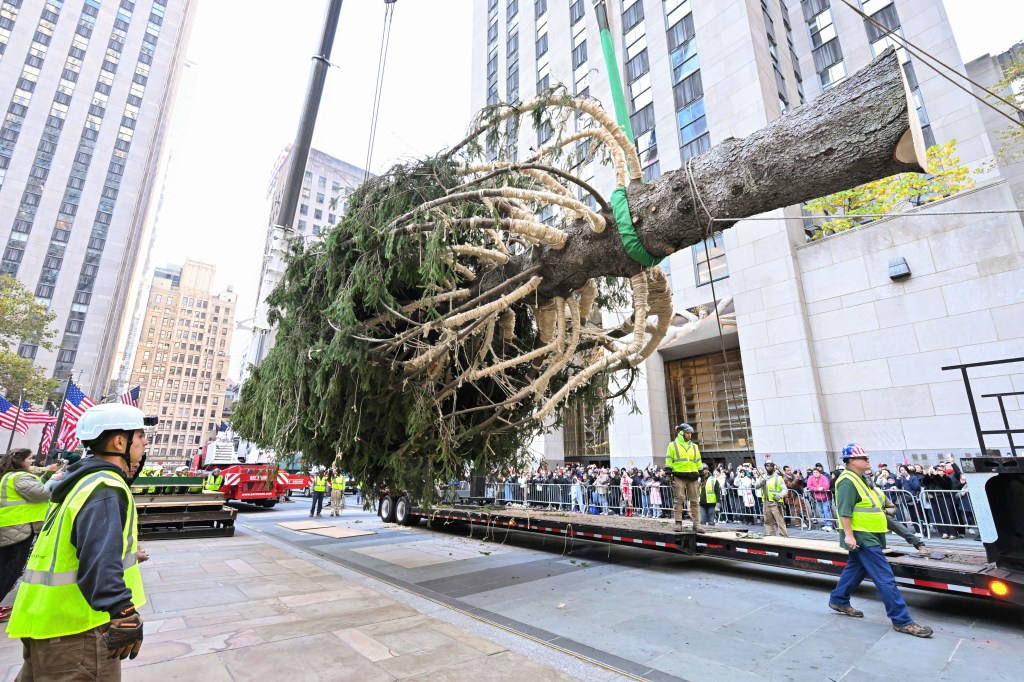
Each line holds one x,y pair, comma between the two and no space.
75,658
318,502
12,564
871,562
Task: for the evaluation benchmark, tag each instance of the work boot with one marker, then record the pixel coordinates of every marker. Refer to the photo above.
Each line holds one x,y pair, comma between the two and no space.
914,629
848,611
679,526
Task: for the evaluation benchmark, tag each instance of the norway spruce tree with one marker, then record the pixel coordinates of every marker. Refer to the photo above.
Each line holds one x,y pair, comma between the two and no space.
458,304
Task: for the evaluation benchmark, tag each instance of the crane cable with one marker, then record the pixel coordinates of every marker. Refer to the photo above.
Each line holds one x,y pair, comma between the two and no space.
382,59
923,55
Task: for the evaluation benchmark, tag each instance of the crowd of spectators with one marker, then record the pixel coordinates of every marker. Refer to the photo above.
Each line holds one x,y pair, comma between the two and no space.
932,497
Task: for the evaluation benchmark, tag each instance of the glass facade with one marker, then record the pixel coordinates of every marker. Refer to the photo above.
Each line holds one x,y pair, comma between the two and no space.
687,87
585,433
708,393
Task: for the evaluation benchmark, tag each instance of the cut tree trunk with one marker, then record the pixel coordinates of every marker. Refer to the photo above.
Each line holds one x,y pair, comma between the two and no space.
863,129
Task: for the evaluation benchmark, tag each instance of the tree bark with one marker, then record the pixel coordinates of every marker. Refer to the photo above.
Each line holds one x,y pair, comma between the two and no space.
863,129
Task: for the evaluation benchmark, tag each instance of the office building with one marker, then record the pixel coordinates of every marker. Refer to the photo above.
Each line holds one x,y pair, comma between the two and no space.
326,185
182,358
806,344
87,88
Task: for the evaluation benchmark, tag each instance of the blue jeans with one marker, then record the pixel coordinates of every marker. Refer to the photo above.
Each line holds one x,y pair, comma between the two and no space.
825,512
318,502
871,562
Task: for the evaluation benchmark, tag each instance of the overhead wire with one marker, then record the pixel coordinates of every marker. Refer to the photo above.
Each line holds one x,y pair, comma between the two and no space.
729,393
923,55
382,58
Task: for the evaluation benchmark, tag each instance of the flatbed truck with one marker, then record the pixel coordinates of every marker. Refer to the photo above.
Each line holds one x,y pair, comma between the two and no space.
997,573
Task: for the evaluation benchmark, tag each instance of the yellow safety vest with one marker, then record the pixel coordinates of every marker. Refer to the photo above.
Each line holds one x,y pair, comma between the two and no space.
868,513
709,490
338,483
15,509
320,484
684,458
773,489
213,482
49,602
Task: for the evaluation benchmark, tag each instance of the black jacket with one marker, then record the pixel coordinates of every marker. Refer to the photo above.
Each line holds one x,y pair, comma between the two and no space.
97,537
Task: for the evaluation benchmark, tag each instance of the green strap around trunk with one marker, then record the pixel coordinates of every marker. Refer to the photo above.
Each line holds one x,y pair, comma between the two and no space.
624,223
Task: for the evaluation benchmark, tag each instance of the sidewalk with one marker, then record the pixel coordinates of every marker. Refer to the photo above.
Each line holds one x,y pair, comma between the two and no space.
243,608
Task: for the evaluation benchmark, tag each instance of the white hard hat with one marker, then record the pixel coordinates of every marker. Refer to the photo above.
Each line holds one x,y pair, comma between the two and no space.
110,417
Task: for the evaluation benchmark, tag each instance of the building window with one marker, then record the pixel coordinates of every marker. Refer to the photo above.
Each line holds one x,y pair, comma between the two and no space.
708,393
585,431
709,257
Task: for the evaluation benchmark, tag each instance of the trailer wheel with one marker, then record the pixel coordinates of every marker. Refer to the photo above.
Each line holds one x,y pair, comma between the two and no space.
387,509
403,512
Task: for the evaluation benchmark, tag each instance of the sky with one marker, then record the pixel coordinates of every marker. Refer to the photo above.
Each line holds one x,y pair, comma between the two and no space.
240,104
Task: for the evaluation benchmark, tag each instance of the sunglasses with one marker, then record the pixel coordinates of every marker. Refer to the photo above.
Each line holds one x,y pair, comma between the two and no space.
864,457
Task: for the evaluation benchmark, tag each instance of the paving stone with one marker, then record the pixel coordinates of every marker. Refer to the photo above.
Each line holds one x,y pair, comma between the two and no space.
315,657
207,668
364,644
501,667
429,660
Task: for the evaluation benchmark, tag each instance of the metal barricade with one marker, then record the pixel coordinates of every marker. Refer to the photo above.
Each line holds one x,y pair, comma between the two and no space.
949,514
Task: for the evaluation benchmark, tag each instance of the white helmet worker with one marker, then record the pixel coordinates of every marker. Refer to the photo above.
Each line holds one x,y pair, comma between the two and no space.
109,417
115,417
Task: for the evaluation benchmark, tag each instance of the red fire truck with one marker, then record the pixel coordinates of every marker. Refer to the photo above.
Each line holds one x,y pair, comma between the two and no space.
248,477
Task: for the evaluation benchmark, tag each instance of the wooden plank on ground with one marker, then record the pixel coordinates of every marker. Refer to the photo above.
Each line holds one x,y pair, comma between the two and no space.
338,532
302,525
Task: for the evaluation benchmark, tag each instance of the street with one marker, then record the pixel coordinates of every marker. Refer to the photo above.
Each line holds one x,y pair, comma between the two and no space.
657,616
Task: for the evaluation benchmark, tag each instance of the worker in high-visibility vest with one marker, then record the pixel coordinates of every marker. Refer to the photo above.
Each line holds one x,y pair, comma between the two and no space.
337,493
319,488
82,585
862,517
214,481
710,494
683,459
772,489
23,499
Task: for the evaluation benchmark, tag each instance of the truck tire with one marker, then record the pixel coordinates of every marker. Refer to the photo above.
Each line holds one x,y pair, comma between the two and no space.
403,512
387,509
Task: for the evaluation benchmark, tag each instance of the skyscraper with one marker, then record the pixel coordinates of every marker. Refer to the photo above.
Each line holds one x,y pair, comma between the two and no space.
805,344
182,358
88,87
326,185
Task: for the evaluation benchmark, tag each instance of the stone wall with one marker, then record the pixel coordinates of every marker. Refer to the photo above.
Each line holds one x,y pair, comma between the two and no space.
880,345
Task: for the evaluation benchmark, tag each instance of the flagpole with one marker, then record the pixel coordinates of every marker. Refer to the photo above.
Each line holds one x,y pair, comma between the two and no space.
60,417
17,416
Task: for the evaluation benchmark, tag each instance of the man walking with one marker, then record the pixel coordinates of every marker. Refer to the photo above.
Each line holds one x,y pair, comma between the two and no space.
863,531
773,493
683,458
337,493
76,609
319,488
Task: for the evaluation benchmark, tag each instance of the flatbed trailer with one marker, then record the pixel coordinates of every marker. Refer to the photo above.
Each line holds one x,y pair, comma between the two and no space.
961,572
176,506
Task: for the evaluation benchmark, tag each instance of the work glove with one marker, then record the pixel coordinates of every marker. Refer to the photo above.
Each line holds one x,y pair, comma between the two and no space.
123,636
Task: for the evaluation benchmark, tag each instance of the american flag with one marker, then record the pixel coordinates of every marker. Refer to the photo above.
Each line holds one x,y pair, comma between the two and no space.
67,439
44,442
131,396
9,414
31,416
76,403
